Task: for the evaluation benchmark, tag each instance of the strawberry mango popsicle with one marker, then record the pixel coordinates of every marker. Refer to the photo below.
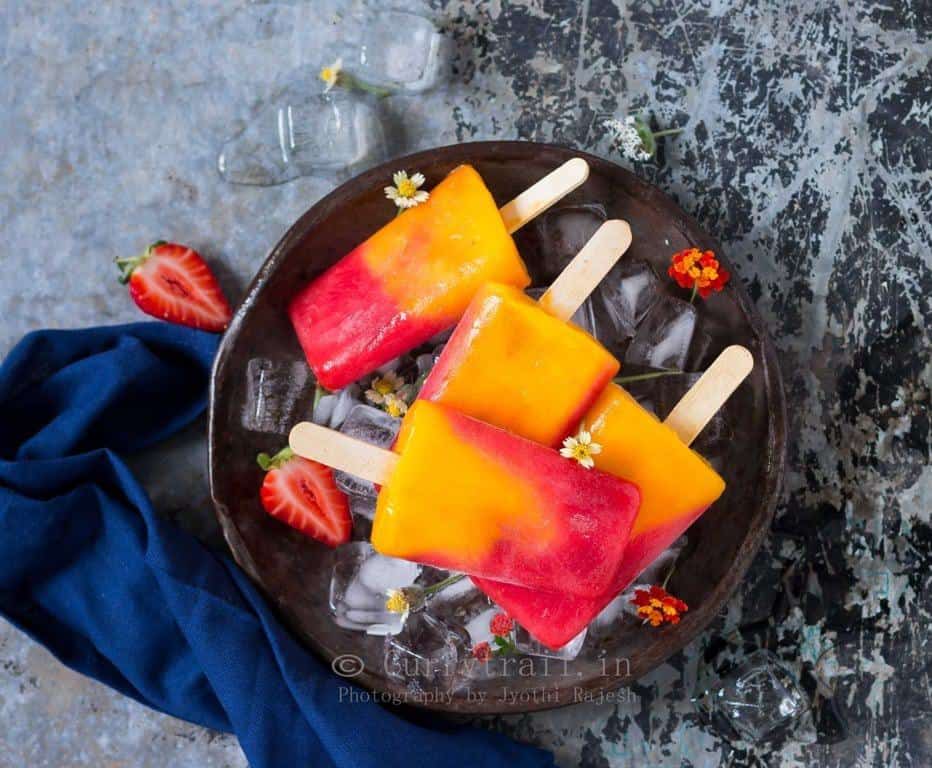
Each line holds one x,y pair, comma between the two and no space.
416,275
463,495
518,364
677,485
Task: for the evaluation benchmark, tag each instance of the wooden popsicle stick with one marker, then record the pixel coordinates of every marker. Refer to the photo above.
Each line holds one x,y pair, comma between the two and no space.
704,399
581,276
540,196
342,452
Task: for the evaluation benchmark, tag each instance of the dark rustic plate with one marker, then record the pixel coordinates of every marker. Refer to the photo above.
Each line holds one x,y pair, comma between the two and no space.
261,386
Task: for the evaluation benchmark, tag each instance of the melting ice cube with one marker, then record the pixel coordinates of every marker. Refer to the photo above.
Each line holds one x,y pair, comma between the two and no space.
305,133
757,701
623,299
400,50
277,394
663,338
584,317
558,235
373,426
527,644
360,584
425,654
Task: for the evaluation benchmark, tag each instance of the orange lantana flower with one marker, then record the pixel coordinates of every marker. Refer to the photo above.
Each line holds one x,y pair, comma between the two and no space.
657,606
699,270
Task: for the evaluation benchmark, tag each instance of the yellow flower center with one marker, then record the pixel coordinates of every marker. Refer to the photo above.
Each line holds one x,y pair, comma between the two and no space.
382,386
406,188
328,74
581,452
397,602
395,406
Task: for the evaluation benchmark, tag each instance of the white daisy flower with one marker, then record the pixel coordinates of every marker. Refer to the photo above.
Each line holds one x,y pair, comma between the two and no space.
389,383
331,74
395,406
581,448
406,192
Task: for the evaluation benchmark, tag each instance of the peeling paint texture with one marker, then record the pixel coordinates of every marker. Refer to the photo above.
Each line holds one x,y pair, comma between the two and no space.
806,152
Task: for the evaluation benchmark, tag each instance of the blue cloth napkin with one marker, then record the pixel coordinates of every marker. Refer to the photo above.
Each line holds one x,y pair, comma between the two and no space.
115,592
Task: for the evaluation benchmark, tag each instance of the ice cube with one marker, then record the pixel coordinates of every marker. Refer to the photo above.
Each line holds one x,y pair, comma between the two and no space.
373,426
400,50
304,134
360,584
277,395
425,654
323,411
623,298
758,701
558,235
347,399
666,391
479,626
362,506
584,317
664,337
528,645
655,573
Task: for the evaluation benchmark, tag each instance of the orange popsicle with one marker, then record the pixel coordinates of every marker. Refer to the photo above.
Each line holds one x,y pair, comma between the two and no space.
512,364
462,495
415,276
677,485
516,363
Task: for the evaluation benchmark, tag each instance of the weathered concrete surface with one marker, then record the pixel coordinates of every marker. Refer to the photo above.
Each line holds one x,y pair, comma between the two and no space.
806,153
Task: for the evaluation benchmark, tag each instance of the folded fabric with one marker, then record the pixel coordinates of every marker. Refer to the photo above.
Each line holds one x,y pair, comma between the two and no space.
90,571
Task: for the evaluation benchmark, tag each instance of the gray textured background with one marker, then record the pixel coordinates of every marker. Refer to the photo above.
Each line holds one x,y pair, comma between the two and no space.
806,153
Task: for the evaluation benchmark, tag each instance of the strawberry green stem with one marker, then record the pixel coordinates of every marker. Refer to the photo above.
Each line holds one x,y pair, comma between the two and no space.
274,462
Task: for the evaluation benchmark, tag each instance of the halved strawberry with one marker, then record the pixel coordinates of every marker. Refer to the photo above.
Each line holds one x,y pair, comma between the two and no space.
172,282
302,494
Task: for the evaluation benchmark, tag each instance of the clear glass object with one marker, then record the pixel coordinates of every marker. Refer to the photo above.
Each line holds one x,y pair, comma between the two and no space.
561,233
322,133
425,654
528,645
584,317
399,50
623,298
663,338
360,584
757,701
371,425
276,393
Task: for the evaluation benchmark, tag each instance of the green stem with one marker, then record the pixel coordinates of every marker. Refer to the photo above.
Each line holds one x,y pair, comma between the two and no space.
319,392
669,574
669,132
692,298
434,588
645,376
267,462
350,81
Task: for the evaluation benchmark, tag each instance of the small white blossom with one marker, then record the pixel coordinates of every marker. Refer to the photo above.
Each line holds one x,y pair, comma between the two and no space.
628,138
581,448
390,383
406,192
331,74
